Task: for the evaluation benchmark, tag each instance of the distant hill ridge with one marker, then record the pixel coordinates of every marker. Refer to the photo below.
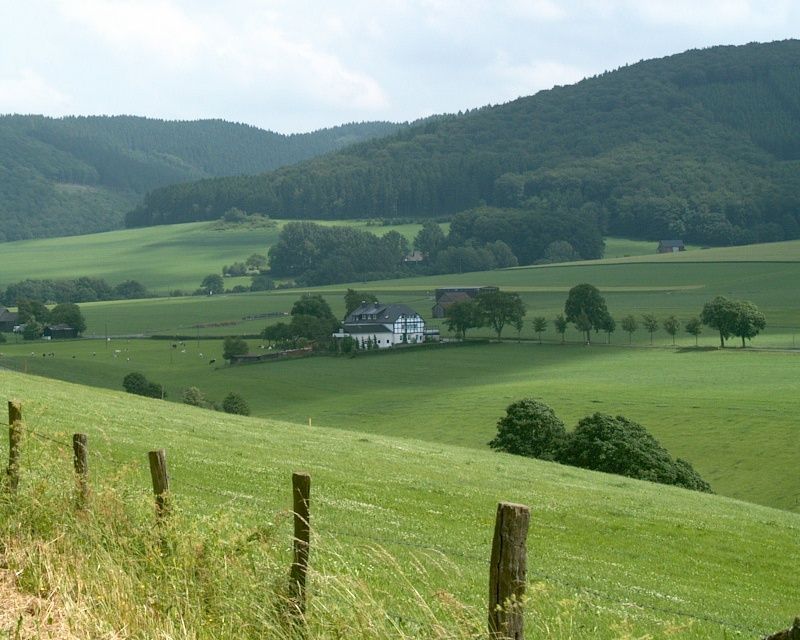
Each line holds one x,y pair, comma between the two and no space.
80,174
703,146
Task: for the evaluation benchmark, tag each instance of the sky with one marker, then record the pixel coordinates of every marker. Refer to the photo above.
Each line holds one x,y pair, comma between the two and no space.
303,65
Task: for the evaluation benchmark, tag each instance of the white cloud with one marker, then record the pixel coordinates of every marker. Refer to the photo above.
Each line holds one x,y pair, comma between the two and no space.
27,92
537,10
712,14
525,78
159,27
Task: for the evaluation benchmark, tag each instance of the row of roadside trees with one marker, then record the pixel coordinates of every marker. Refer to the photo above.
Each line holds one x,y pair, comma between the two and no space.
586,309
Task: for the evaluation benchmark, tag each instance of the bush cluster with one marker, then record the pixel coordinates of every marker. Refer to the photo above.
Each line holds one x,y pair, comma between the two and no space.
139,385
599,442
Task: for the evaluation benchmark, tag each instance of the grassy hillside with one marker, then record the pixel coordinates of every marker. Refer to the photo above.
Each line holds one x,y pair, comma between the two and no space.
402,533
162,259
702,145
731,414
65,176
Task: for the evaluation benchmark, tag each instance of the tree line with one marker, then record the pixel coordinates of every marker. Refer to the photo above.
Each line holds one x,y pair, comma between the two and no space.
478,240
74,175
701,146
83,289
585,308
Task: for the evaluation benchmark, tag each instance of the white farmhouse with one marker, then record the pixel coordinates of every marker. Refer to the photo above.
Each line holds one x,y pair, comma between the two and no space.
386,325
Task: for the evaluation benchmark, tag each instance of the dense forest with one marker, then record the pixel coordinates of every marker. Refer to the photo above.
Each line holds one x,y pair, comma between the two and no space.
704,146
61,176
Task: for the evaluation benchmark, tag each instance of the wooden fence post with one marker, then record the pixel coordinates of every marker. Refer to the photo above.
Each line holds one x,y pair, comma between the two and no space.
14,440
508,571
160,477
301,496
80,458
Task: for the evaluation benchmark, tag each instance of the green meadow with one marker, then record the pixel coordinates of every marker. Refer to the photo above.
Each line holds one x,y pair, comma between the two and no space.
731,413
401,538
663,286
162,258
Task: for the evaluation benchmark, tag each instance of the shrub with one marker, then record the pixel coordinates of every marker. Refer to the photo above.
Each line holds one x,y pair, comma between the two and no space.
530,428
193,396
234,346
135,382
2,338
32,331
617,445
234,403
138,384
155,390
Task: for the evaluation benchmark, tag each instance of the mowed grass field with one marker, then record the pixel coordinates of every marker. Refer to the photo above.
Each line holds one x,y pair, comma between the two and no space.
406,521
162,258
731,413
667,285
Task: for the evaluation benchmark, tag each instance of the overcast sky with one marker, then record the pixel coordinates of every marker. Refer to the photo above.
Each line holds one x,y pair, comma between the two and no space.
302,65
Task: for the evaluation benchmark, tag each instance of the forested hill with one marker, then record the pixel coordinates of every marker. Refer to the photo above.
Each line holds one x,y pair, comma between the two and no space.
704,146
81,174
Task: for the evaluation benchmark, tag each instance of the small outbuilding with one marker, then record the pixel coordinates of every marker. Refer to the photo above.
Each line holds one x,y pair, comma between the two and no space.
448,296
8,320
671,246
57,331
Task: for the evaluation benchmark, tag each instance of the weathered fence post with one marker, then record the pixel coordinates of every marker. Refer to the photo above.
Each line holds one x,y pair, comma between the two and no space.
158,472
792,633
301,496
508,571
14,440
80,458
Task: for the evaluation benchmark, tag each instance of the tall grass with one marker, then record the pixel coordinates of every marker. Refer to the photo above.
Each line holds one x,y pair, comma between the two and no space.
111,570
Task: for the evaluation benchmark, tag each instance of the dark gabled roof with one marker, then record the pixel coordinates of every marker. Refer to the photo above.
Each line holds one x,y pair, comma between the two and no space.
377,312
451,297
8,316
471,291
363,327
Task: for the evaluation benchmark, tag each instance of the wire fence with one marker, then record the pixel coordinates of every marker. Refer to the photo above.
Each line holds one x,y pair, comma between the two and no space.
449,553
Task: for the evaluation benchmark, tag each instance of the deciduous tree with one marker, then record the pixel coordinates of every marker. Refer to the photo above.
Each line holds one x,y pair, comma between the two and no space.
69,314
234,346
749,321
462,316
560,323
720,314
539,326
629,325
235,403
529,428
213,284
650,324
671,326
585,308
694,327
609,325
500,308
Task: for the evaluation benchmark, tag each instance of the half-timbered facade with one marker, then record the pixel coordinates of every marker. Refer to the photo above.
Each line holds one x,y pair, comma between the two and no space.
384,325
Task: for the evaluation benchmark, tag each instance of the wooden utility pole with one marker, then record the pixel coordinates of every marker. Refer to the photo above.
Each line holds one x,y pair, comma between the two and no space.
508,572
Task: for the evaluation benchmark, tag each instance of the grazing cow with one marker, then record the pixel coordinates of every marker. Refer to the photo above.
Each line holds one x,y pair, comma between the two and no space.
212,361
